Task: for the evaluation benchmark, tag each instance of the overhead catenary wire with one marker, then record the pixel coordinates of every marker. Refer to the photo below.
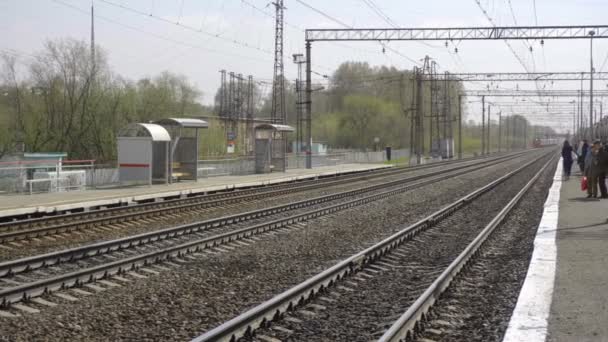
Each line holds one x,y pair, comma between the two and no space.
158,36
483,10
191,28
300,29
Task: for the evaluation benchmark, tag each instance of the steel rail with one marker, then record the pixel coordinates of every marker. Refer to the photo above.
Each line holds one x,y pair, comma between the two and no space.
70,222
222,221
26,291
49,259
409,323
125,215
258,316
203,196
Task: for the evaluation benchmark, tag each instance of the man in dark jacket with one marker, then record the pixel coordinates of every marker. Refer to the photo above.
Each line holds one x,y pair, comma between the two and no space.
581,157
602,157
596,164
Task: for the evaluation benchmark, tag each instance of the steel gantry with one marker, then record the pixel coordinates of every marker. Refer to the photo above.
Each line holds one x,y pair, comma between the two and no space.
523,76
458,33
434,34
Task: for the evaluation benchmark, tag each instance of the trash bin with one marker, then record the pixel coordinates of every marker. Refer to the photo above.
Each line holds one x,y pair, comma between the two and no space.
388,152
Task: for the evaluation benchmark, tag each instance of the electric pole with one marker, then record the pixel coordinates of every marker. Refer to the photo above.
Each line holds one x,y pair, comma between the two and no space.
93,66
459,126
488,148
278,149
499,130
483,125
278,81
591,133
299,60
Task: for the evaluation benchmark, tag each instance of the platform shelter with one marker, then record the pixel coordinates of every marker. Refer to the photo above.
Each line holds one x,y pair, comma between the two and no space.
270,147
184,151
143,154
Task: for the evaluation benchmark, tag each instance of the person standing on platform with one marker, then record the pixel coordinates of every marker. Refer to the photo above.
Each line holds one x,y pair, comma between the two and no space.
595,163
567,159
582,155
602,157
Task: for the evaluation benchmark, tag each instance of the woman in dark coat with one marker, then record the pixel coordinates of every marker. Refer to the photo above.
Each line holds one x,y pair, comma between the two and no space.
567,158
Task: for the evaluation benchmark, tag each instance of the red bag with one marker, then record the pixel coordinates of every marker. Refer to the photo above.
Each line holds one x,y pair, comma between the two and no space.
584,184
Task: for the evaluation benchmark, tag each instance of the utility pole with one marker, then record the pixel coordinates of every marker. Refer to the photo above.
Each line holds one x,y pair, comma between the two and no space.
413,148
525,134
489,149
507,133
574,121
446,152
308,107
278,149
499,130
299,60
250,108
419,118
278,81
483,125
591,133
577,128
93,61
459,126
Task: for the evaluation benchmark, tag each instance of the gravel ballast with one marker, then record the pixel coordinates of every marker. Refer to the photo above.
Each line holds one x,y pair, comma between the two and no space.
199,294
367,303
26,248
479,304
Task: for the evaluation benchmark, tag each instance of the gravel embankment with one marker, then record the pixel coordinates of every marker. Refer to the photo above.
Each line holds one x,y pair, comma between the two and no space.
98,234
200,294
365,313
153,246
478,306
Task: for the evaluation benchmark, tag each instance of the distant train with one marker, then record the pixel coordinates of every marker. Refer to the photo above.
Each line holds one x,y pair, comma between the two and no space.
541,142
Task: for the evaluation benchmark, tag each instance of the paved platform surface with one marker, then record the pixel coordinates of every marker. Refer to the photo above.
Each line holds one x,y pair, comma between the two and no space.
25,204
580,300
565,295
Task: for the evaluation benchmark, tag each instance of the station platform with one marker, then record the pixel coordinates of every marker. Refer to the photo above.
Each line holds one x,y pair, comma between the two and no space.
565,294
12,205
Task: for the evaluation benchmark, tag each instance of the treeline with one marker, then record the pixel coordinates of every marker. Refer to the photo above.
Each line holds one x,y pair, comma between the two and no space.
363,103
61,99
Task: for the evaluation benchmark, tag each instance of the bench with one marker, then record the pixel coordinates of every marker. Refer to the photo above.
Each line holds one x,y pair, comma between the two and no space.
177,174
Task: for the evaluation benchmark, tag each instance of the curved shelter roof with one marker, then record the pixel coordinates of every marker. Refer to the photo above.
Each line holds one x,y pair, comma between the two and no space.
154,131
184,122
279,128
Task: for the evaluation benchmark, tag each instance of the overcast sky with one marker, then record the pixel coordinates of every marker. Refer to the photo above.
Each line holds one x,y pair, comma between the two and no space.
232,35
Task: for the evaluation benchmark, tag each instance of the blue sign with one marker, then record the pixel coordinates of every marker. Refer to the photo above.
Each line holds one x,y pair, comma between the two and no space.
231,135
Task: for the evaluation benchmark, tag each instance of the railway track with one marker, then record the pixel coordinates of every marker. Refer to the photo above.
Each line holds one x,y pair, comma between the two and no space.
43,274
48,226
361,298
19,222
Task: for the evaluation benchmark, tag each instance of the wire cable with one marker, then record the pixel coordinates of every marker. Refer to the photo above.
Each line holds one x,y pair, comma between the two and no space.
158,36
191,28
337,21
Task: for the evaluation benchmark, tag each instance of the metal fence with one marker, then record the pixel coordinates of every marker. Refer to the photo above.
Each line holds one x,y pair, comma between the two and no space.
19,176
34,176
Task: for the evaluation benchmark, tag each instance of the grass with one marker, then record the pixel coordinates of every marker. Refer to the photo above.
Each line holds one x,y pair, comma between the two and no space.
398,161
